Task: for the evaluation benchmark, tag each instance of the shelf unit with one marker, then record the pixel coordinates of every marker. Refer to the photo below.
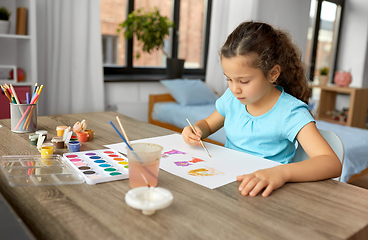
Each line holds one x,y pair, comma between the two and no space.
20,51
357,108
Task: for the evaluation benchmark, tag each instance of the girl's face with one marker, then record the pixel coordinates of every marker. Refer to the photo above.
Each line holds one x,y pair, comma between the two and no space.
249,85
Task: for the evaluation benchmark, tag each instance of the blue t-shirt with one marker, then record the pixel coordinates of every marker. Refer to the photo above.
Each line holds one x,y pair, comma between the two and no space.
271,135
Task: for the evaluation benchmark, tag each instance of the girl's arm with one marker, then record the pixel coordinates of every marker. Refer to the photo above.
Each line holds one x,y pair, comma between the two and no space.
204,128
322,164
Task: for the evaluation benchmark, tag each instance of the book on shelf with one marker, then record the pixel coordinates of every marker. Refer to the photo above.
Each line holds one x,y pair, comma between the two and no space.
21,28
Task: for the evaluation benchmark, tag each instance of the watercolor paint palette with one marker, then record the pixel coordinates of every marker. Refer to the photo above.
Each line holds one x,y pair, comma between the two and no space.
99,166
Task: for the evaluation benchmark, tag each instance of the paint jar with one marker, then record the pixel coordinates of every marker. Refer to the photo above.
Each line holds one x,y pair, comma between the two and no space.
58,142
33,138
23,117
60,130
74,146
91,134
43,133
47,151
73,138
144,164
82,136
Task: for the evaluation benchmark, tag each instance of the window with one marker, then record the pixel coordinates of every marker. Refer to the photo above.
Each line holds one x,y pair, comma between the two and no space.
188,41
323,36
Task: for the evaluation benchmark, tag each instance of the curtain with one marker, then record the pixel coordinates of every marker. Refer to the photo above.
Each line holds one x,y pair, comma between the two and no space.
225,17
69,56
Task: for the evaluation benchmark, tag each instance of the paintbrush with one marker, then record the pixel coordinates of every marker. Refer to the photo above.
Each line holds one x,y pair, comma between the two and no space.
130,147
122,129
200,140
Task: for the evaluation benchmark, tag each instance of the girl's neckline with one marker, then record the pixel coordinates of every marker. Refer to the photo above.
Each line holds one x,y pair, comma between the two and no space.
281,89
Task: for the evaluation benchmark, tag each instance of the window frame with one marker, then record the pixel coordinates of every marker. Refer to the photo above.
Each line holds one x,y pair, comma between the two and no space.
313,53
130,73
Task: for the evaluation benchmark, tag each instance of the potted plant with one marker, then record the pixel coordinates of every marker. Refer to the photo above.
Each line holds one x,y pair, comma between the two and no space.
323,76
4,20
151,29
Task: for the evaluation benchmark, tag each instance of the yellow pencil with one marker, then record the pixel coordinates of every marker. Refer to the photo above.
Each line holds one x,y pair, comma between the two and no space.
200,140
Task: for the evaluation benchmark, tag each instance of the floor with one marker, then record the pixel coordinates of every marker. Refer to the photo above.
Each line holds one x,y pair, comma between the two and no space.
361,182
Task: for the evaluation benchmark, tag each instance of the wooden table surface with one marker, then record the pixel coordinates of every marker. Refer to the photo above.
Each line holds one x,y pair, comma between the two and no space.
313,210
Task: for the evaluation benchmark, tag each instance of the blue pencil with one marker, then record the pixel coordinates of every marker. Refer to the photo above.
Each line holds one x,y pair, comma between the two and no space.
27,97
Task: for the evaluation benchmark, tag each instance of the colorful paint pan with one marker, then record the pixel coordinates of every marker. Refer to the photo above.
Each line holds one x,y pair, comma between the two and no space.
99,161
76,160
84,168
78,164
99,166
109,152
91,154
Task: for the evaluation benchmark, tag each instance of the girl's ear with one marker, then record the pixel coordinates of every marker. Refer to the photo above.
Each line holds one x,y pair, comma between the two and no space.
275,73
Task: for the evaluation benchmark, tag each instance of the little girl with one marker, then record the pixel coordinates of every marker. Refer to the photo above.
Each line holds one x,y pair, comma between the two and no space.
264,110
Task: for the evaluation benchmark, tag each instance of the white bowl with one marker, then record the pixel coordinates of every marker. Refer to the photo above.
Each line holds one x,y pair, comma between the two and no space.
148,199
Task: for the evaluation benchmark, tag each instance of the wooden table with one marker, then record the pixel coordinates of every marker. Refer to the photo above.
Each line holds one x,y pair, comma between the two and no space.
313,210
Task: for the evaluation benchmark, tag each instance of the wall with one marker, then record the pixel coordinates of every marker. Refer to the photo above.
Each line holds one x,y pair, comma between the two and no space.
131,99
292,16
353,42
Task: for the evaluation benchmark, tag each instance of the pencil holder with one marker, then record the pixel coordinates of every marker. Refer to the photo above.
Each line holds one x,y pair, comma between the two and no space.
23,117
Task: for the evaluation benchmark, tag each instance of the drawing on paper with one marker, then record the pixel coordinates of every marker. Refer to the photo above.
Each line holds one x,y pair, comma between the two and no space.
204,172
187,163
195,160
172,152
182,163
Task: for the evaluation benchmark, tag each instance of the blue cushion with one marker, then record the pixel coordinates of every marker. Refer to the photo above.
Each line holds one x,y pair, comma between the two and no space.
190,91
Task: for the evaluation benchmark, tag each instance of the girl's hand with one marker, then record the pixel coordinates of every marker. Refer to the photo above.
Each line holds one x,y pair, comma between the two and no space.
270,179
190,137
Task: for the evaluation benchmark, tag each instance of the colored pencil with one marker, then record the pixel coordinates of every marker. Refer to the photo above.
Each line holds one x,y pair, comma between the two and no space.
200,140
15,94
34,90
6,93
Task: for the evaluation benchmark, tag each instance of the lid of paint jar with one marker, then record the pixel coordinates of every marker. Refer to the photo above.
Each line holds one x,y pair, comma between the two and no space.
148,199
47,145
43,132
61,127
82,133
57,139
33,136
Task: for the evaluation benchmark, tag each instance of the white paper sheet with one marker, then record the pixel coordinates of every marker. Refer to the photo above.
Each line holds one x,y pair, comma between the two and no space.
219,170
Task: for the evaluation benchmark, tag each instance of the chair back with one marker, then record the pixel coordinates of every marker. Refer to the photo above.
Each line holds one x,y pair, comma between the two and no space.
333,140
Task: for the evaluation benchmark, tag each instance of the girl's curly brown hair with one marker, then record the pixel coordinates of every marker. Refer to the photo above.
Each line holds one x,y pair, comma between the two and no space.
273,47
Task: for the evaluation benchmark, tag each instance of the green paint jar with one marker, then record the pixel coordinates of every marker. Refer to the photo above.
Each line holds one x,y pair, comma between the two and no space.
33,138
